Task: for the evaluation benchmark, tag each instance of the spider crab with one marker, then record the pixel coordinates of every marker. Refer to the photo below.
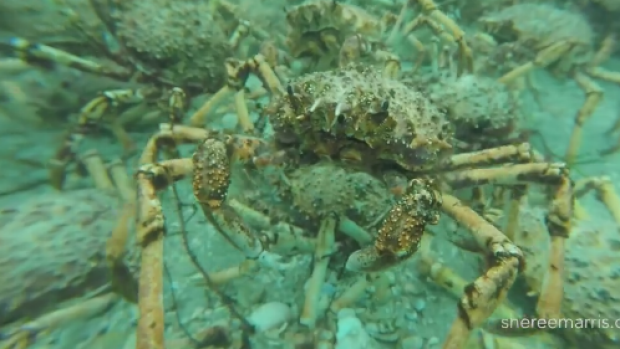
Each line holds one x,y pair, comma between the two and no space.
324,33
320,35
317,30
357,116
76,255
564,44
146,44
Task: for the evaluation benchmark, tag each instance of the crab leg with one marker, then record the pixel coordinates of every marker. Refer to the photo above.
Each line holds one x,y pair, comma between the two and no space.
558,219
594,95
238,72
520,153
289,238
38,53
544,173
450,280
95,110
611,76
150,236
150,178
97,170
198,118
351,295
487,292
603,74
398,23
421,52
115,246
324,248
466,59
121,277
435,27
170,135
542,59
604,52
240,33
24,335
176,105
518,199
223,276
90,116
353,48
273,57
605,193
124,184
210,167
614,128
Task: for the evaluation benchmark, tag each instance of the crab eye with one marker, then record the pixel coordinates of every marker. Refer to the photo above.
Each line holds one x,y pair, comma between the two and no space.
385,105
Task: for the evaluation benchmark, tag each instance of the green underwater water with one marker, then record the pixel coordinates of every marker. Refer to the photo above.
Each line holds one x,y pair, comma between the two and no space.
309,174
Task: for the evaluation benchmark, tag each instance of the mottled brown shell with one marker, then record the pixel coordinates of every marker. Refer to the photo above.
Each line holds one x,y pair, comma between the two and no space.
314,25
484,112
52,249
335,188
355,110
540,25
175,38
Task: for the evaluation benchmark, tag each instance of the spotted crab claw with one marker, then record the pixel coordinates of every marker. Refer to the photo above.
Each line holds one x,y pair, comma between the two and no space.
400,235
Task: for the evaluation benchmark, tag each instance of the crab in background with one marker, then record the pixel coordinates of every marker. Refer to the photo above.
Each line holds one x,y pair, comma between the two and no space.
561,41
81,252
322,34
147,45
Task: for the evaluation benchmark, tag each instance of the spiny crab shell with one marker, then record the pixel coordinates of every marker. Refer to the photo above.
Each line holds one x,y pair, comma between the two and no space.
336,188
484,112
540,26
178,39
314,25
356,114
53,249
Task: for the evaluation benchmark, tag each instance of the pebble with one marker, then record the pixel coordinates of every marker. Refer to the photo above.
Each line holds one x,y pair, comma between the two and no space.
433,341
419,305
413,342
270,315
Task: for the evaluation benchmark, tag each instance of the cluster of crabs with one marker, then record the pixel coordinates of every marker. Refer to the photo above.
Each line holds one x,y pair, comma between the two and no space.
366,145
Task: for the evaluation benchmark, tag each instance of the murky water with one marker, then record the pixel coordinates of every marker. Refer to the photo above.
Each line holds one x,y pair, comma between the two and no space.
309,174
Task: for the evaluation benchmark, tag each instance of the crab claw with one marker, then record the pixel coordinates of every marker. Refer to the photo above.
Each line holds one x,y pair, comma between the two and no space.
400,235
